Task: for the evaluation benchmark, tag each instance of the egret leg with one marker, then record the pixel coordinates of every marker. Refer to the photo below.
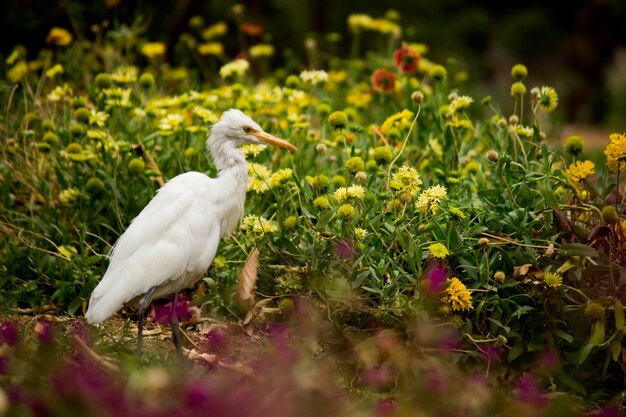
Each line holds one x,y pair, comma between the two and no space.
144,303
175,325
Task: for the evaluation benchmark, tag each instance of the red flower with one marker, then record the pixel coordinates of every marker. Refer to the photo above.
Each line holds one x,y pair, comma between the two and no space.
383,81
406,59
251,29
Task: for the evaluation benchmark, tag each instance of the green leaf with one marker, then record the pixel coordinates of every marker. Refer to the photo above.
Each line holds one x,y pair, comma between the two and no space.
515,352
619,314
565,336
577,249
570,382
584,352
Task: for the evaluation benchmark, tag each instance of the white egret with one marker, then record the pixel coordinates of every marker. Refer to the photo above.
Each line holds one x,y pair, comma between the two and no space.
173,241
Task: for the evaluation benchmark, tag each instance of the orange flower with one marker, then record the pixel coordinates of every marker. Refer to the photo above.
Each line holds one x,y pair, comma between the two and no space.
251,29
383,81
406,59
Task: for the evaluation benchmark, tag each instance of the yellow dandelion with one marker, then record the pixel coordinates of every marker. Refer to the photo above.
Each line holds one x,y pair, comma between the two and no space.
580,170
211,48
152,50
438,250
280,177
616,152
553,279
457,296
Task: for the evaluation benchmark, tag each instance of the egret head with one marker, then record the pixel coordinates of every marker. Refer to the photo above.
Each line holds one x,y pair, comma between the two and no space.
239,128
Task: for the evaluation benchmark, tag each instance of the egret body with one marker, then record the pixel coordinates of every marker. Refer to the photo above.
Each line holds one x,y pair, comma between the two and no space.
173,241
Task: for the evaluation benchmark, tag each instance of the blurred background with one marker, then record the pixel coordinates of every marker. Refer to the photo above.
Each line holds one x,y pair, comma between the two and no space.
578,47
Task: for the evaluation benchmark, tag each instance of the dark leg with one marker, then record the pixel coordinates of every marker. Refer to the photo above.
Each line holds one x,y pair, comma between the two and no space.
143,306
174,324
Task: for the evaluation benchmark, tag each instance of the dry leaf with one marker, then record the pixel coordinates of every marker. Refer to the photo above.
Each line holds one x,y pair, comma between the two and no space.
549,251
256,310
247,280
521,270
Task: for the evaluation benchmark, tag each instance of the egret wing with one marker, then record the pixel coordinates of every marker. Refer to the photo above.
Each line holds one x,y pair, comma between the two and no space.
168,245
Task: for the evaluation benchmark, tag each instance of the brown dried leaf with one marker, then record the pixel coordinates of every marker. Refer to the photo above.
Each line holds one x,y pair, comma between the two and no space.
247,280
549,251
256,310
521,270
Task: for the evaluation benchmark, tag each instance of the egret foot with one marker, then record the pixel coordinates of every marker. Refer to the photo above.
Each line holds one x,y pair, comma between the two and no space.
144,303
175,326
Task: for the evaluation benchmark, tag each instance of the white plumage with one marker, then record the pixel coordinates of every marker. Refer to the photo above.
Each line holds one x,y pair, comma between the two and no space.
173,241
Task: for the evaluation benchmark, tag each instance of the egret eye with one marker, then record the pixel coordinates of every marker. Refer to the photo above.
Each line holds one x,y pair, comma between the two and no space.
247,129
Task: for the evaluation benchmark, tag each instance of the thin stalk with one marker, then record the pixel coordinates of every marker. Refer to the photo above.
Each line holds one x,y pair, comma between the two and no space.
419,108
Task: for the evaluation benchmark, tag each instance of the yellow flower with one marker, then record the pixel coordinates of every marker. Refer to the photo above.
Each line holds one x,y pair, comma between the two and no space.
280,177
429,199
548,99
211,48
251,150
262,50
553,279
258,226
399,120
314,77
153,50
459,104
218,29
17,71
258,177
616,152
438,250
125,74
354,192
580,170
59,36
346,211
406,180
54,71
205,114
457,296
359,22
459,123
360,234
68,196
237,67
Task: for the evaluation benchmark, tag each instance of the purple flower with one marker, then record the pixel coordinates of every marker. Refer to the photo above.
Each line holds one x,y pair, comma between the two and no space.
344,249
44,331
376,375
9,333
528,391
386,407
436,277
4,365
163,313
548,362
216,339
278,332
491,353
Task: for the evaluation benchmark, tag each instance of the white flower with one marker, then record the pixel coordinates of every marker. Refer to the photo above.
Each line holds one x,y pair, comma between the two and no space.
314,77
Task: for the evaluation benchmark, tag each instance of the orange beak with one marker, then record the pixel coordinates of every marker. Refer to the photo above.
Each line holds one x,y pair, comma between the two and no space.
273,140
